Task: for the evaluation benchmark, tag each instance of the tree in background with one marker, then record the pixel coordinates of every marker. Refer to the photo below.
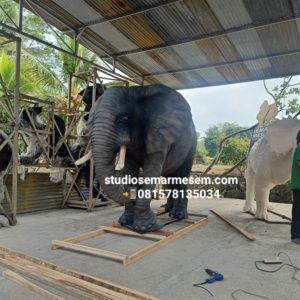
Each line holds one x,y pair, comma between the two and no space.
286,96
215,133
234,150
201,152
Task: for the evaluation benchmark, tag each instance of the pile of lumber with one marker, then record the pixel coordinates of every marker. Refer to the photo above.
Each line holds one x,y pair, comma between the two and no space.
74,283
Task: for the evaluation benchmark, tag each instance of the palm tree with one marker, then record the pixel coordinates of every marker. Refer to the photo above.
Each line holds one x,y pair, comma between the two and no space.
36,78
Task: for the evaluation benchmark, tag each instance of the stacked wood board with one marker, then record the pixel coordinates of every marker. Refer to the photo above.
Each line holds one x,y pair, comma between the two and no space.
75,283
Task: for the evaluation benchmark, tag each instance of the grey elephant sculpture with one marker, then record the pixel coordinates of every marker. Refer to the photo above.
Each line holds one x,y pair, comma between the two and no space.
155,125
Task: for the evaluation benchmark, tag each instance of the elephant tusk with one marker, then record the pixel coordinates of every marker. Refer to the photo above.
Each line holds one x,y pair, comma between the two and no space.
121,161
84,158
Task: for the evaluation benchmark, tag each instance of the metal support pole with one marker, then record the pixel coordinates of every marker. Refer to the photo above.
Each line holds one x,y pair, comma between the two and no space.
69,101
14,198
91,185
20,24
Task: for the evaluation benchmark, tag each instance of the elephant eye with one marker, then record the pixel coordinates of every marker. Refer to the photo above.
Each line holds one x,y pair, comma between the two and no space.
123,119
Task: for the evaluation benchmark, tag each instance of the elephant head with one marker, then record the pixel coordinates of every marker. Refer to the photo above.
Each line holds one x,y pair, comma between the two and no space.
281,136
87,95
145,120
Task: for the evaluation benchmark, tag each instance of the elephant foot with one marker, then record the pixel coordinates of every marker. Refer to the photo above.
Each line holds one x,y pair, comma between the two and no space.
127,217
262,215
249,209
146,223
179,213
270,207
179,209
169,205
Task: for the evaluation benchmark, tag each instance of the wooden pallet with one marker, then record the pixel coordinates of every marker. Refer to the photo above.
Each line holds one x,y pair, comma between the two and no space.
160,238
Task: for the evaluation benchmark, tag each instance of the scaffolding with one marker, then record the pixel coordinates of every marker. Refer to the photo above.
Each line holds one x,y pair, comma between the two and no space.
12,106
12,103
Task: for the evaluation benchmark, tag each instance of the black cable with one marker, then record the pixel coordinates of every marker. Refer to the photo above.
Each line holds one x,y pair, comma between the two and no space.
295,268
290,264
275,270
248,293
204,288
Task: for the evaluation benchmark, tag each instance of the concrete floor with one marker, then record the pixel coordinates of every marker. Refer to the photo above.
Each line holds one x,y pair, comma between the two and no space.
169,272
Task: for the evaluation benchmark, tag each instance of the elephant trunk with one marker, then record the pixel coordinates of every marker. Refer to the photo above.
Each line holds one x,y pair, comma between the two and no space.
105,148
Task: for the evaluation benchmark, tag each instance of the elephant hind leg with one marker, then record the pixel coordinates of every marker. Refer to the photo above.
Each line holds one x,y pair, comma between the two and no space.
179,199
250,188
176,204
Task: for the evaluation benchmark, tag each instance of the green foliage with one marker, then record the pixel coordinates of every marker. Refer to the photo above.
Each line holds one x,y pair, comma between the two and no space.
212,139
201,152
215,133
74,65
286,96
35,78
234,150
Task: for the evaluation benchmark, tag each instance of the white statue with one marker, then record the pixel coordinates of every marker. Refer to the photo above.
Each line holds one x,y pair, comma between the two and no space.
269,164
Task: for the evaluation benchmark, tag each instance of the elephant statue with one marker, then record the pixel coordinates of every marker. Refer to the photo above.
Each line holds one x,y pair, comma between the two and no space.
153,125
5,159
269,164
34,148
5,152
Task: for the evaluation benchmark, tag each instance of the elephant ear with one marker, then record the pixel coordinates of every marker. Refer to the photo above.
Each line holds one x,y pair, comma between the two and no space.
169,120
281,135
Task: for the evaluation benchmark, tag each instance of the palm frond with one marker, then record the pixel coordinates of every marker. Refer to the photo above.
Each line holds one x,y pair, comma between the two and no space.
46,78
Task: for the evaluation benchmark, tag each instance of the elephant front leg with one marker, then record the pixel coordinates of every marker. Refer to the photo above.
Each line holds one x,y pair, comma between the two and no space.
262,195
144,218
132,168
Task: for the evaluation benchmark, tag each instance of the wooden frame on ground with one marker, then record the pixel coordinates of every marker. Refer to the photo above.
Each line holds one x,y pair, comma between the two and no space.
161,237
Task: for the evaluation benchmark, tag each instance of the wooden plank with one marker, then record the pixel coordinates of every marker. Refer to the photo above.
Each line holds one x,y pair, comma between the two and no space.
83,276
268,221
186,221
89,250
279,215
29,285
141,253
197,215
241,230
73,286
163,232
81,237
132,233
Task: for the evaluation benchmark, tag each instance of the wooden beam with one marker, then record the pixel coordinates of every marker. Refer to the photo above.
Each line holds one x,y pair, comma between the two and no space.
89,250
167,218
163,232
279,215
29,285
268,221
238,228
71,285
128,232
83,276
81,237
141,253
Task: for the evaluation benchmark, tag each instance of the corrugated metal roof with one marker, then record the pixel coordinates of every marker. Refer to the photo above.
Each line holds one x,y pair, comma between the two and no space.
186,43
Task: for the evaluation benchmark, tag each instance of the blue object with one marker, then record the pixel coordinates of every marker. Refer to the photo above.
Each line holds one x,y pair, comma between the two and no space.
214,276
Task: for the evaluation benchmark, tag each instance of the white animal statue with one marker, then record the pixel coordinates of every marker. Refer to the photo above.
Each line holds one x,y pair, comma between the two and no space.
269,164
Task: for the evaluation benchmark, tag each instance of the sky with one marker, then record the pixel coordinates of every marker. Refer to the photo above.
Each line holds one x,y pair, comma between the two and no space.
237,103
